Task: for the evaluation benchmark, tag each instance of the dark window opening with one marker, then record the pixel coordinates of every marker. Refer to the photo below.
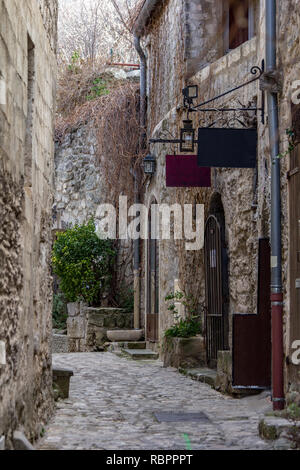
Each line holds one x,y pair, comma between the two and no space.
238,22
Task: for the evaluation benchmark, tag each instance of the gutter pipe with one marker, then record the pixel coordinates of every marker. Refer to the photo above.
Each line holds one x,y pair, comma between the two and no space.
276,261
138,31
136,243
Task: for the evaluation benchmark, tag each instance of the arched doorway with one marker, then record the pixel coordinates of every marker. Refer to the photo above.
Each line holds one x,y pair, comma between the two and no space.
152,300
216,282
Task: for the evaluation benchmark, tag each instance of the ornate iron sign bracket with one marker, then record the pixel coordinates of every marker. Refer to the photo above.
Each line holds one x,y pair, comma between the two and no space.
258,72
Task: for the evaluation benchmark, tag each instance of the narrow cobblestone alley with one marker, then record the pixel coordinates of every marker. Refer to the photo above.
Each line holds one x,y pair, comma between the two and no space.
113,400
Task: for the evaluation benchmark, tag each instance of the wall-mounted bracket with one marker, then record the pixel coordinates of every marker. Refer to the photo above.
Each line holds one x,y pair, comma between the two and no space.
239,113
259,72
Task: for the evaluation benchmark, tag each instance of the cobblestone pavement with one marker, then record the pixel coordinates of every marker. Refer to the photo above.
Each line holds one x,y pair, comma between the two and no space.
113,400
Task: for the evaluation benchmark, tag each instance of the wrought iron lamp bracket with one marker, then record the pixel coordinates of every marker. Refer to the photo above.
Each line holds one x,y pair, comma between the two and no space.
255,70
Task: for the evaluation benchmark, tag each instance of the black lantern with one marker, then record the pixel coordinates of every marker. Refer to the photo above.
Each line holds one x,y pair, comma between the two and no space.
190,93
187,137
149,164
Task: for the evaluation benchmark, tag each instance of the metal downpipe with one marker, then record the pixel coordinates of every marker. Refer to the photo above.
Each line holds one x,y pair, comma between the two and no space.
276,261
136,243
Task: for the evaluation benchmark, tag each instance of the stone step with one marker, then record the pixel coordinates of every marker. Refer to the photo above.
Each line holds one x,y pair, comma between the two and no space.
135,345
119,345
140,354
208,376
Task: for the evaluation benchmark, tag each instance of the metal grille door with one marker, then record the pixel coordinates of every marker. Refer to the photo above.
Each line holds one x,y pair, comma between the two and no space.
152,286
214,307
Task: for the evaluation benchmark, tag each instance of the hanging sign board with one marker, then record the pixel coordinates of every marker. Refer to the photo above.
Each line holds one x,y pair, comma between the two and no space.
182,171
227,148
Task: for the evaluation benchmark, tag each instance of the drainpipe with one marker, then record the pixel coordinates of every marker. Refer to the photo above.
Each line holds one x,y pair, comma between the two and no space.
276,262
136,243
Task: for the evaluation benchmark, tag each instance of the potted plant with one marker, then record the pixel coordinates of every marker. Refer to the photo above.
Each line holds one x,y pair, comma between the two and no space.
183,344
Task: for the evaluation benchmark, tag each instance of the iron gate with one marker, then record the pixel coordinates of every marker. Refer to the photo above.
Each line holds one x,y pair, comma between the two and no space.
152,321
214,318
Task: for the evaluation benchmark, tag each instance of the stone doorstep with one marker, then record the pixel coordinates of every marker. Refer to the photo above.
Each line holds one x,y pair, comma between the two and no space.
273,428
135,345
208,376
140,354
117,346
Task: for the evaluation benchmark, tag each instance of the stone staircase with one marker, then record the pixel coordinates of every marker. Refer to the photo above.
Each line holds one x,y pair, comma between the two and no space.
136,350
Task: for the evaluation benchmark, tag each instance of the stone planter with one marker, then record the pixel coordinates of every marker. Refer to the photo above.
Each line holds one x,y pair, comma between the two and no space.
184,352
124,335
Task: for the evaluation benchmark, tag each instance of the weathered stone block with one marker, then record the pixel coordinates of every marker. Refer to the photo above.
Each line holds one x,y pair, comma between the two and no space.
96,319
224,372
110,321
74,345
274,428
61,379
60,344
87,332
184,352
76,327
73,309
20,442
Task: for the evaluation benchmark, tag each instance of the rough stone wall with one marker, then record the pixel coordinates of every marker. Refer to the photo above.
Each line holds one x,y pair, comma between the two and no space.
49,12
202,44
235,186
164,46
87,326
80,187
245,195
26,165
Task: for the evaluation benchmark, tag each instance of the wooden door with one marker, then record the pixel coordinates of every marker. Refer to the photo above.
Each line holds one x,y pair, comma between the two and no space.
294,257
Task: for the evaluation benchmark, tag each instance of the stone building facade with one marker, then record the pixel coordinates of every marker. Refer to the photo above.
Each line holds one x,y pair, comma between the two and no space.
191,42
27,101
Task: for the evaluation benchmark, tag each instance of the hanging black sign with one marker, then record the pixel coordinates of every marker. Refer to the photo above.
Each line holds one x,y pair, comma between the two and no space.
227,148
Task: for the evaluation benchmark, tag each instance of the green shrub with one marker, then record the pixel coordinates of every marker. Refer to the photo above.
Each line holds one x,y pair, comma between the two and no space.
189,327
184,329
83,262
99,88
59,311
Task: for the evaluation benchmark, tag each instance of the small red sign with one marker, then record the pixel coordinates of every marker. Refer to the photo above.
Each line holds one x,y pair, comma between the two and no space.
182,171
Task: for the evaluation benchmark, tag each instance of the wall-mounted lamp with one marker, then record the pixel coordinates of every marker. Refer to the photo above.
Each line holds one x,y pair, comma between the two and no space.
149,164
190,93
187,137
